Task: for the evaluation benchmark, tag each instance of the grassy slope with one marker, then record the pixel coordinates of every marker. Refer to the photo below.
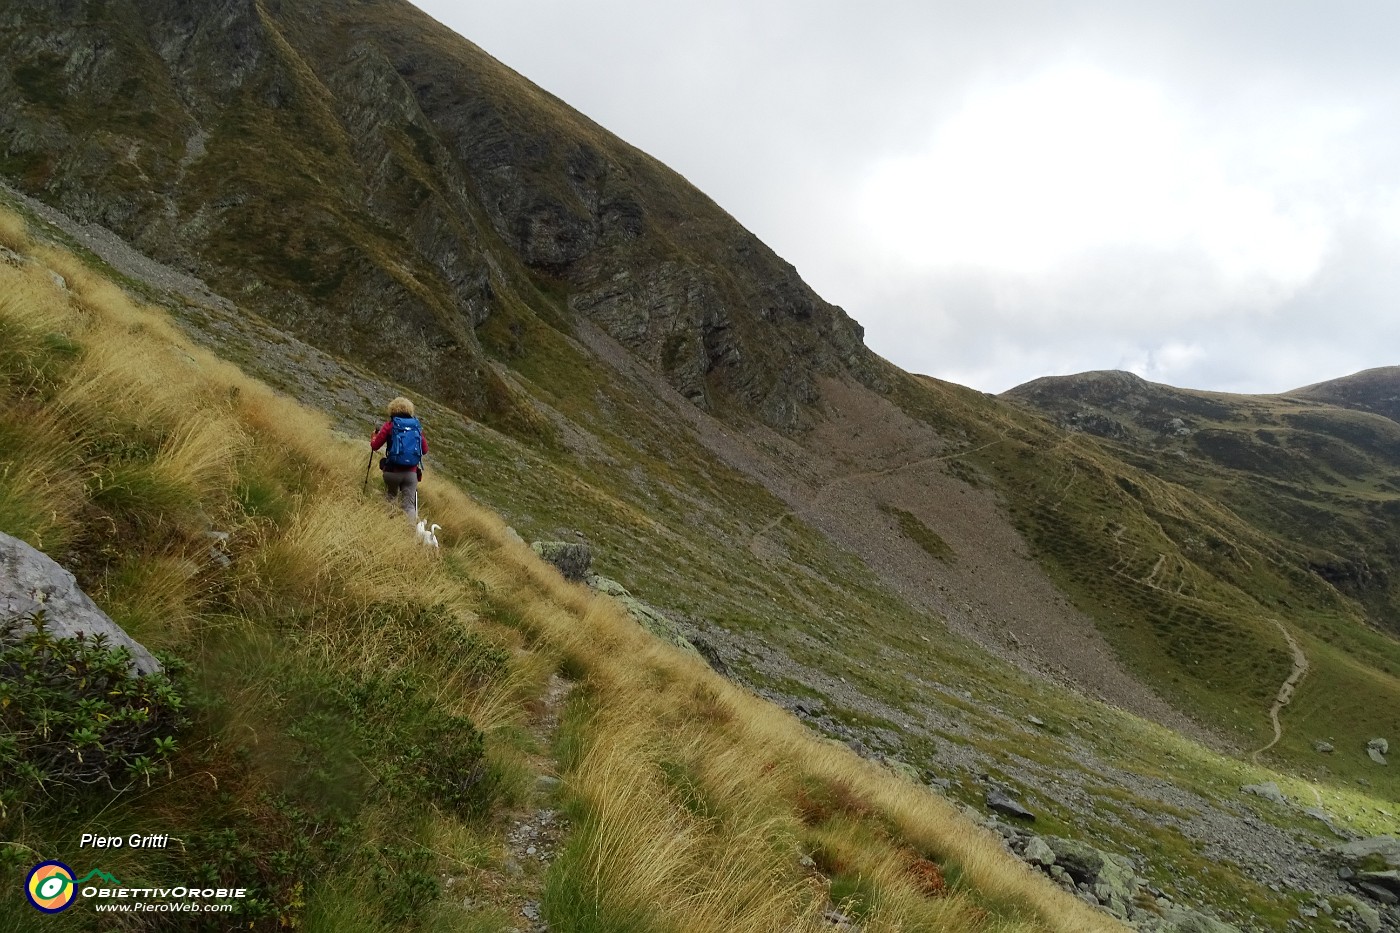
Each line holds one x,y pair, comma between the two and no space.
1225,528
331,648
671,519
839,620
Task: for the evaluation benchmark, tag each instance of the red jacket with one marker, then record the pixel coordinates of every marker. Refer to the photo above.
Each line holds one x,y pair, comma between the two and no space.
381,437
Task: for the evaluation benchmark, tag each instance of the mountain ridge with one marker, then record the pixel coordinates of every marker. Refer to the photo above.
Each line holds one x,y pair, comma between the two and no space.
1374,390
911,566
358,96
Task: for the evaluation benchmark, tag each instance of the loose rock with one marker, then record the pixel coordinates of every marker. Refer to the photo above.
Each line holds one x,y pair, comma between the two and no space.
1003,802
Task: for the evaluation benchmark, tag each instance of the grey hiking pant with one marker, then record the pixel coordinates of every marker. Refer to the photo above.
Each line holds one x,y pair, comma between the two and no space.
403,487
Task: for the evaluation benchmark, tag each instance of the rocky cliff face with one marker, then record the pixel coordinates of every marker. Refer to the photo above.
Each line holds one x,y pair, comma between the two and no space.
384,188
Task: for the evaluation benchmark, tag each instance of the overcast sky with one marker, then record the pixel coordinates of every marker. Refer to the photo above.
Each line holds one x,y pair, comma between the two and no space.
1204,192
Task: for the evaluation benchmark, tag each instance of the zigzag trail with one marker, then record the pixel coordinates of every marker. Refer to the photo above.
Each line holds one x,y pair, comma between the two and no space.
1285,692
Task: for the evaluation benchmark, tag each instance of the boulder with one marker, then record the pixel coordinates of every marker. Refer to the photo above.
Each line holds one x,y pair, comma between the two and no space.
570,557
1038,852
1324,748
1385,879
1377,749
1378,892
31,582
1326,819
1002,802
1368,915
1386,848
1112,878
1269,791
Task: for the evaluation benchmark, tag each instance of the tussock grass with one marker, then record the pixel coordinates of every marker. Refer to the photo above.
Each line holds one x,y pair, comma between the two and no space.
328,636
343,667
688,795
14,233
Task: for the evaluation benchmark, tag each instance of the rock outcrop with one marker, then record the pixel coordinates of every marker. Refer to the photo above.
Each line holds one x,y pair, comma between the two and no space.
443,211
572,558
1108,881
645,615
31,582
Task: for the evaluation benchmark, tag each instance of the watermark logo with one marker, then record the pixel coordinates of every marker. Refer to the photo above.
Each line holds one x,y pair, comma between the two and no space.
50,887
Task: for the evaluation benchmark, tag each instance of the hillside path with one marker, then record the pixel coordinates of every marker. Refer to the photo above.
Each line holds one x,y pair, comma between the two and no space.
531,836
1285,692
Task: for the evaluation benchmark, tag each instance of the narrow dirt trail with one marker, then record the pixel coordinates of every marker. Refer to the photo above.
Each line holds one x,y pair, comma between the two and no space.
532,835
1285,692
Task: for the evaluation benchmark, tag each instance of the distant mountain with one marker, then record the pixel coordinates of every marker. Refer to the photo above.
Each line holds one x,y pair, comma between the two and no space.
1315,468
1373,390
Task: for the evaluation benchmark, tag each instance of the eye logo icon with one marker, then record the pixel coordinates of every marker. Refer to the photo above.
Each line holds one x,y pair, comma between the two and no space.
50,887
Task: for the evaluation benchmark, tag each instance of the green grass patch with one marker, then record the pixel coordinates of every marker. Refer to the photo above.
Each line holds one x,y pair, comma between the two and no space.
915,530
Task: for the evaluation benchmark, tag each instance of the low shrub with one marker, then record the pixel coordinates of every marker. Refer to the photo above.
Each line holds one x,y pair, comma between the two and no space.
75,714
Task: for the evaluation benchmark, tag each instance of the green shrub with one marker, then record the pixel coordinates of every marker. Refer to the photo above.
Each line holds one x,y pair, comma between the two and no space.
419,750
75,715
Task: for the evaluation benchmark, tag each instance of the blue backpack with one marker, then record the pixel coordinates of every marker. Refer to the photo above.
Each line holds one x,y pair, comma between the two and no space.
405,449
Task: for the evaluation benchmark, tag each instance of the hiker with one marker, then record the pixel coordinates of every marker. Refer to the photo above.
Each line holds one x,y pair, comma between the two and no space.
402,463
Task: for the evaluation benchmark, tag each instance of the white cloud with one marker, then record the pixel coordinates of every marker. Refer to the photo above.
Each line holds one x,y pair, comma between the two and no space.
1009,189
1075,161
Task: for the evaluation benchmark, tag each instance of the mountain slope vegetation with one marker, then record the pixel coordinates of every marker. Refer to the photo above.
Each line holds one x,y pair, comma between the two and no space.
360,707
602,353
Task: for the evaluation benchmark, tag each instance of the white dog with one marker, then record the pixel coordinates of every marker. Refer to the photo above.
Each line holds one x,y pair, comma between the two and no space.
427,535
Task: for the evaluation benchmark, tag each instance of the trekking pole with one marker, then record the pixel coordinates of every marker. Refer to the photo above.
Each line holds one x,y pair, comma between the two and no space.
365,487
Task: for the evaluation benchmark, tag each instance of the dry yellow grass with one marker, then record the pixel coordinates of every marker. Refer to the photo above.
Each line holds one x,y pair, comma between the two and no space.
654,704
689,788
14,235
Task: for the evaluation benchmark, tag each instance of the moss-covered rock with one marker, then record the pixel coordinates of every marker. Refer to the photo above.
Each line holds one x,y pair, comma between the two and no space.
571,557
